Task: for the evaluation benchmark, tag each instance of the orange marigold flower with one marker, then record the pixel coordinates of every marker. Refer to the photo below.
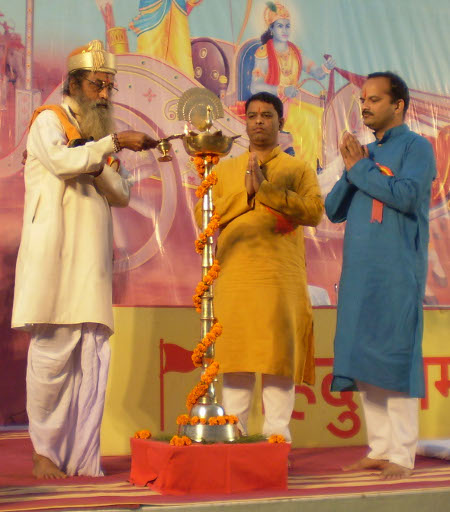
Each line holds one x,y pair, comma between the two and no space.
216,330
215,159
197,361
213,421
207,379
232,419
180,441
221,420
198,160
142,434
198,391
202,421
276,438
208,279
199,246
194,420
183,419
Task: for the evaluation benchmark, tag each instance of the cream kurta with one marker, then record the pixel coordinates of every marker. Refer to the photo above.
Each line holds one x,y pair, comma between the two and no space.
64,265
261,294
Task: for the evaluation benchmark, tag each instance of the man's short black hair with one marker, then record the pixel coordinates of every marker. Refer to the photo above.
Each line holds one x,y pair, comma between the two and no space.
399,89
267,98
76,77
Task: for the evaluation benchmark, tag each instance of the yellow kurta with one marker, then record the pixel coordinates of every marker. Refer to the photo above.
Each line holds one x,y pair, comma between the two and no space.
261,294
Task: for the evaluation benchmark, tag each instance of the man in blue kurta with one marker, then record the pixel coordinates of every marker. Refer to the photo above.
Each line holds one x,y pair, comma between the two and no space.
384,196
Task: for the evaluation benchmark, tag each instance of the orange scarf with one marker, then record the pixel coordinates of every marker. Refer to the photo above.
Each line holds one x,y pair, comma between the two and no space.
377,206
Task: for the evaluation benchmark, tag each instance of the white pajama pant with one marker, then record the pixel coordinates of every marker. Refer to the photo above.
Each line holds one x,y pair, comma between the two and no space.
278,394
66,382
392,421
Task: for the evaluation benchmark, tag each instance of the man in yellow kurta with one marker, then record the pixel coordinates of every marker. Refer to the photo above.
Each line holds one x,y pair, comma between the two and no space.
264,197
64,267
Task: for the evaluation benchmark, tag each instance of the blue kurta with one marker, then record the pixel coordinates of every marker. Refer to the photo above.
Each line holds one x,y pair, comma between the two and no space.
379,319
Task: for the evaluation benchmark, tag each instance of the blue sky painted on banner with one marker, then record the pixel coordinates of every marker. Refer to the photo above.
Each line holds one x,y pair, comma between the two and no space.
410,37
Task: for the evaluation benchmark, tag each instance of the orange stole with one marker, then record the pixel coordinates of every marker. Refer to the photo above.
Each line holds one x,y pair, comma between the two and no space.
377,206
69,129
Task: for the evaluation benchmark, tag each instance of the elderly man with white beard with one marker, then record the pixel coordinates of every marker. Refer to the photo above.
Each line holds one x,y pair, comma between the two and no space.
63,289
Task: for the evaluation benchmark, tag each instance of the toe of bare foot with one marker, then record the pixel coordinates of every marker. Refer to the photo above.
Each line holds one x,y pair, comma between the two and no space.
366,463
43,467
394,471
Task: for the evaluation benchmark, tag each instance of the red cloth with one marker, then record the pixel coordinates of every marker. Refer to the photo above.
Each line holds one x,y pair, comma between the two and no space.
212,469
273,75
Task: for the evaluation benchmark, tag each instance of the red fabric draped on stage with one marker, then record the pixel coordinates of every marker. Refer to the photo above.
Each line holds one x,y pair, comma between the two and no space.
214,468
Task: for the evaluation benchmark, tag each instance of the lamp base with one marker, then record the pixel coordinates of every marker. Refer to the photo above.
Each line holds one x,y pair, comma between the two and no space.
210,433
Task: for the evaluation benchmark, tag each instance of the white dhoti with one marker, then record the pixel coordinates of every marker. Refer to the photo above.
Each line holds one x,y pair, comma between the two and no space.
67,374
278,394
392,421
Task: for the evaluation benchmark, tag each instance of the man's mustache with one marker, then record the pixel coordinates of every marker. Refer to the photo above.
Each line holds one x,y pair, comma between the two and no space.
102,104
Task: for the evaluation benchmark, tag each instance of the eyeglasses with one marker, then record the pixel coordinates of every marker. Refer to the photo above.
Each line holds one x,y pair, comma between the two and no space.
101,84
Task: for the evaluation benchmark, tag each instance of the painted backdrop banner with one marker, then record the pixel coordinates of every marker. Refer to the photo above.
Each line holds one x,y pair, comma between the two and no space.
165,47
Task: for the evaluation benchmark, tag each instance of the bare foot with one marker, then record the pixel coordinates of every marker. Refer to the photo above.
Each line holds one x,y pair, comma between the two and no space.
366,463
43,467
394,471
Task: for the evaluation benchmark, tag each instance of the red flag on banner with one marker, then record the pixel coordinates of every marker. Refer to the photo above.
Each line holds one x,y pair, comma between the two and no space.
172,358
175,358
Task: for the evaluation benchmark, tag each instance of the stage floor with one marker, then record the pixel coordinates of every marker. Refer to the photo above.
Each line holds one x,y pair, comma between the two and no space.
316,483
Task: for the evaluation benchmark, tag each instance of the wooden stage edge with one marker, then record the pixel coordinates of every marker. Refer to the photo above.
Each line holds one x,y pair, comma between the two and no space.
316,483
412,501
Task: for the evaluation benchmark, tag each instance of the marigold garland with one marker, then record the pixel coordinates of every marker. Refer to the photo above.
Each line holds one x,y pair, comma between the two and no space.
276,438
206,184
204,284
211,228
142,434
180,441
232,419
202,346
199,390
184,419
210,373
199,162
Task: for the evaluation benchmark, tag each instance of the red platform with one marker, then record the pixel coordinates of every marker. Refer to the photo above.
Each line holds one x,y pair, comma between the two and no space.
213,468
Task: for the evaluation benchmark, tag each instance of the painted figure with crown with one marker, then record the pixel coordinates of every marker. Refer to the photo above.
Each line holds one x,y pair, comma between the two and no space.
63,287
162,31
278,67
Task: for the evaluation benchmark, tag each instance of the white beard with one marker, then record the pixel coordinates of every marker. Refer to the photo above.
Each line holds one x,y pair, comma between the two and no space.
95,119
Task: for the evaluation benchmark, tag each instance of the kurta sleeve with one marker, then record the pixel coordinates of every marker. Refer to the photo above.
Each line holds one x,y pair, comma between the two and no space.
406,189
304,205
114,186
47,143
339,199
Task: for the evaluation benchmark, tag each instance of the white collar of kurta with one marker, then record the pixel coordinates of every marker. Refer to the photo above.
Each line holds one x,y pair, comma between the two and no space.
72,108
